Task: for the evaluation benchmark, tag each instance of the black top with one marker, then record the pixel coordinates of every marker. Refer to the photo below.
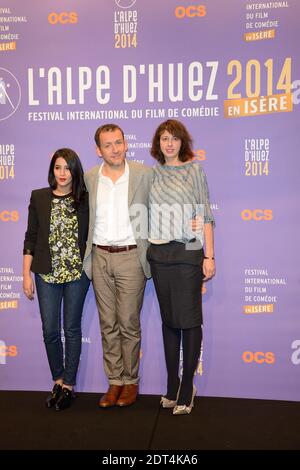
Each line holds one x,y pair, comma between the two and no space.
36,241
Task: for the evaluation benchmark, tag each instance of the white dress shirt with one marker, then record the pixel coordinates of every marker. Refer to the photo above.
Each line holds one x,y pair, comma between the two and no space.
112,223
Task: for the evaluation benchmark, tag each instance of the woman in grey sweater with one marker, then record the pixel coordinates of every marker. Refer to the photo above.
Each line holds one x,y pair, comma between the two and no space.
181,226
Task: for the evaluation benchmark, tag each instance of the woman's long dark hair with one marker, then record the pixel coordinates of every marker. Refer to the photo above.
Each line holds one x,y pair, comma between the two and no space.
75,167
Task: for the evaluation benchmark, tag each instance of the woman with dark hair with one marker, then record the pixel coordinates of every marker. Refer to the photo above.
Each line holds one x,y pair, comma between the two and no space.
54,247
181,226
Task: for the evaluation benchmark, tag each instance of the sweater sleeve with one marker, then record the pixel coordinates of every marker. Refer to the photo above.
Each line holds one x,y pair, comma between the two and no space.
203,196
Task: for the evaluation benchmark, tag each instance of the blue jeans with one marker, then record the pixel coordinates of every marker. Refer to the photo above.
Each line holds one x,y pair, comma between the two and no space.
50,298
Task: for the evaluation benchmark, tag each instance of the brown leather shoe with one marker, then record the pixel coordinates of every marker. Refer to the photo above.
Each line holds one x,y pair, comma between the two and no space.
111,396
128,395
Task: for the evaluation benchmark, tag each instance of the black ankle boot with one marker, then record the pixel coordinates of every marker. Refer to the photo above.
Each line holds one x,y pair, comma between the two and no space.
54,396
65,399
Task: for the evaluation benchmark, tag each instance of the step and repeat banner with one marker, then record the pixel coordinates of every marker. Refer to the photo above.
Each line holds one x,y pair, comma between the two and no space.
230,71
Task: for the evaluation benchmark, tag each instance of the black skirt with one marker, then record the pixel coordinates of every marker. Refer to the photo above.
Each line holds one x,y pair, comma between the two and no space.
177,274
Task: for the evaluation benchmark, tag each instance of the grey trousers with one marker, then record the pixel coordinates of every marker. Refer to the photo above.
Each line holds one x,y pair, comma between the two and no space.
119,284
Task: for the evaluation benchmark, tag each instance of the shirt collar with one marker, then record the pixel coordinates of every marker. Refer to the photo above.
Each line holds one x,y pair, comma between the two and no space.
124,176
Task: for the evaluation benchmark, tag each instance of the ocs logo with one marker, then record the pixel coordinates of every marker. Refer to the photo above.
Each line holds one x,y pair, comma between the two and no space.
125,3
200,155
10,94
63,18
7,216
259,357
7,351
191,11
257,214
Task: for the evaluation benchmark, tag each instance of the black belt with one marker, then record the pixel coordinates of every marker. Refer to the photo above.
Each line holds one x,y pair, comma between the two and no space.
115,249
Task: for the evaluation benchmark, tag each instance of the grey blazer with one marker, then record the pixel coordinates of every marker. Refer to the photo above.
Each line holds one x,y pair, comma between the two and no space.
140,177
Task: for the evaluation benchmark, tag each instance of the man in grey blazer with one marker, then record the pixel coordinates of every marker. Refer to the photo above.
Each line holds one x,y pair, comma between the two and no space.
115,259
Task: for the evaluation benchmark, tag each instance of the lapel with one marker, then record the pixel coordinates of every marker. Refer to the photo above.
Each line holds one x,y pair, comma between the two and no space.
134,181
46,209
93,192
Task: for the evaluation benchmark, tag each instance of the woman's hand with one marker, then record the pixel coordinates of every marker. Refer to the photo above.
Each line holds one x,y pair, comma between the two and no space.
28,286
209,268
197,224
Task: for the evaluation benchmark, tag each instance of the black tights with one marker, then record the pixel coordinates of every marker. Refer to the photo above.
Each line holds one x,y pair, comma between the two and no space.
191,345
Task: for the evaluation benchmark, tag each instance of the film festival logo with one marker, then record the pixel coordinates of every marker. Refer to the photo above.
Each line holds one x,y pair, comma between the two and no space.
125,3
10,94
125,25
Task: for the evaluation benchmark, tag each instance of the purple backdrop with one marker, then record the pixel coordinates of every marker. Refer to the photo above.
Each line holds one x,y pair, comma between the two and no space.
69,66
